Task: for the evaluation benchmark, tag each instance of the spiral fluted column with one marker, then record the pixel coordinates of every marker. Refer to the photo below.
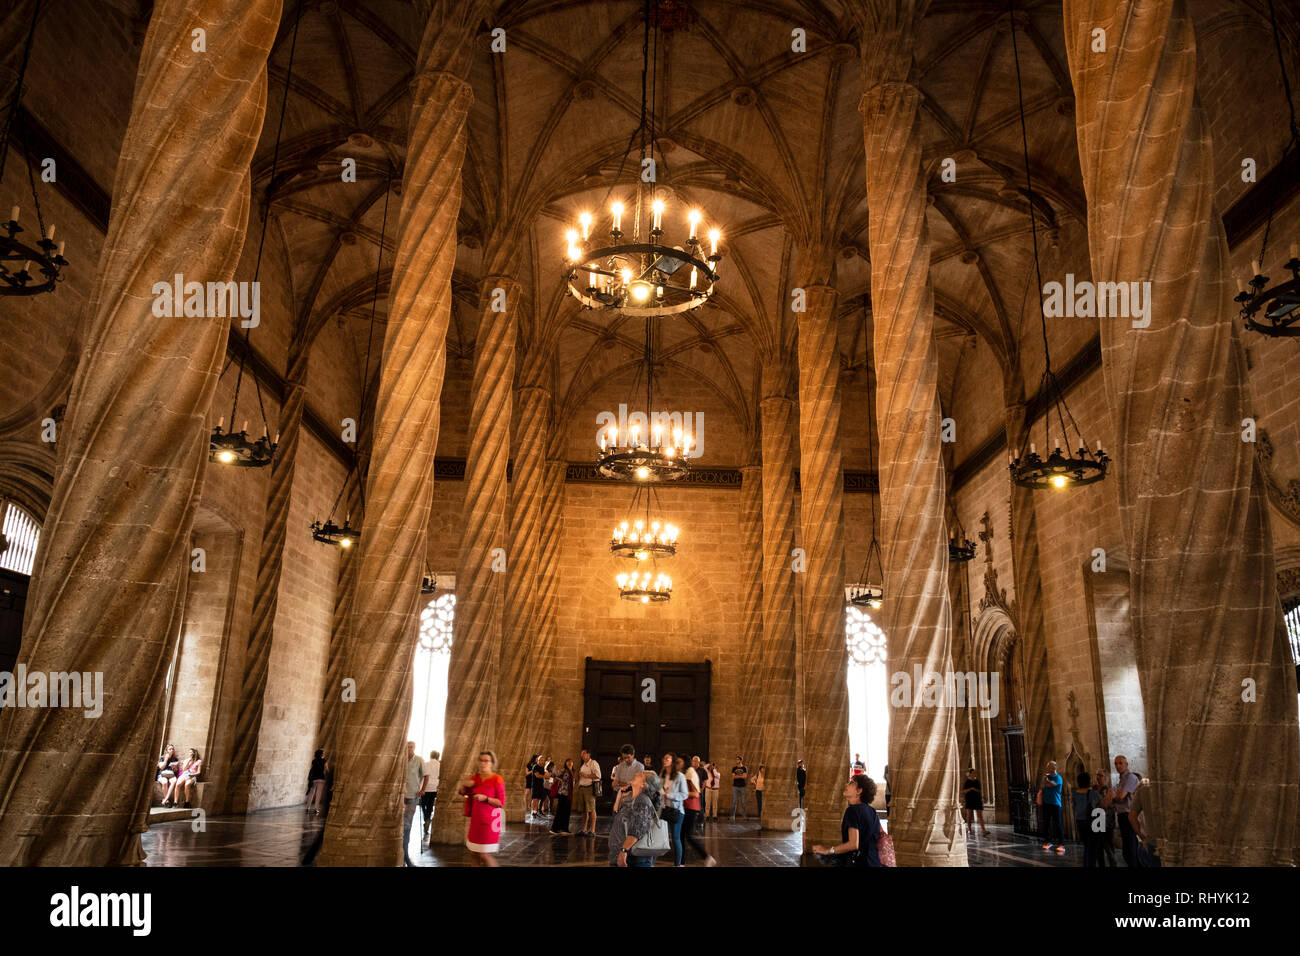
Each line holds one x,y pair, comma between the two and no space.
475,678
751,610
133,448
1040,742
337,662
776,682
365,820
266,598
822,657
916,617
524,717
1205,614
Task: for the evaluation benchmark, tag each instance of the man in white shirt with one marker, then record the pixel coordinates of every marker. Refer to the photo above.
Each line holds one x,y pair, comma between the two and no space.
416,778
432,768
588,774
621,776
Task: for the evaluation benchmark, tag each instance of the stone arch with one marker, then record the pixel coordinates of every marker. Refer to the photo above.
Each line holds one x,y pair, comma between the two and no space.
992,645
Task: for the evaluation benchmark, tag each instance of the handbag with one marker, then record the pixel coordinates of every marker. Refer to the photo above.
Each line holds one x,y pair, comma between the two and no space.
655,843
885,850
671,814
598,788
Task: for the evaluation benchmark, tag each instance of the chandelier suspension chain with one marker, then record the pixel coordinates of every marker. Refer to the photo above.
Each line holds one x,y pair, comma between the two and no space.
266,211
370,338
12,116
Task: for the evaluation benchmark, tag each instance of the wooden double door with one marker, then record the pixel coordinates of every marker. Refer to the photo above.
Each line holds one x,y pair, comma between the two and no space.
656,707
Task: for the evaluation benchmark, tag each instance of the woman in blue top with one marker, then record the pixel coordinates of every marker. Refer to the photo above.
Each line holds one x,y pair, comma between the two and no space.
860,828
675,793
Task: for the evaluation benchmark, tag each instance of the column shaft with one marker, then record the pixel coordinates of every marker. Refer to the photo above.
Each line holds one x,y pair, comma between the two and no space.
776,684
823,657
524,712
133,449
1205,614
916,617
1040,742
365,821
476,679
266,599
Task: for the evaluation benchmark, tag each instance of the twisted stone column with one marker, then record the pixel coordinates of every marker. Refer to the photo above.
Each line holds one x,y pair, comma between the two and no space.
823,657
337,664
751,557
776,684
133,448
266,599
476,679
524,715
1204,611
365,821
548,575
916,617
1040,743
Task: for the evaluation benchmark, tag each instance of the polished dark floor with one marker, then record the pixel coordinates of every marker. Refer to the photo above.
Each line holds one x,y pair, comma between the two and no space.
282,837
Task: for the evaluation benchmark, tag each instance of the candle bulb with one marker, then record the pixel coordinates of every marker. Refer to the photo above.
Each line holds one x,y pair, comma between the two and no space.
694,276
276,441
657,208
62,243
693,217
50,233
714,236
245,428
1032,450
221,421
591,278
1254,267
1241,285
616,210
584,221
1295,251
13,213
26,264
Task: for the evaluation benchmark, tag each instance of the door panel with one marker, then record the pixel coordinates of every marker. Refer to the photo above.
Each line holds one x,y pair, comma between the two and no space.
655,707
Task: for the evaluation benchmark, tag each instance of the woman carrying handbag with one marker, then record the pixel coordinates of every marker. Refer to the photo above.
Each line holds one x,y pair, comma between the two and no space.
636,835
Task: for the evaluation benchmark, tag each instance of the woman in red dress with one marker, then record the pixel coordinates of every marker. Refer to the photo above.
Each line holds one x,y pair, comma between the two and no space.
485,800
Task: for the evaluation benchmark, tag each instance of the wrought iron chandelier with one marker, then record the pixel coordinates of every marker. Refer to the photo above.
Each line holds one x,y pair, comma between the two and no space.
647,453
960,548
27,266
643,538
1281,303
869,593
231,447
636,274
330,533
1062,467
646,587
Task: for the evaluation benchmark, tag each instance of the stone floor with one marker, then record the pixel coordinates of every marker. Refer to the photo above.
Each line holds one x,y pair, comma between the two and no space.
281,837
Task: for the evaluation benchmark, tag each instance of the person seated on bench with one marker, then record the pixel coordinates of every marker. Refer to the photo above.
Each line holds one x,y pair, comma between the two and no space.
183,786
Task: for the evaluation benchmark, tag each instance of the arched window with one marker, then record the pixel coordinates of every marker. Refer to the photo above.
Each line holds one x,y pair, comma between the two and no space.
868,692
432,659
22,533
